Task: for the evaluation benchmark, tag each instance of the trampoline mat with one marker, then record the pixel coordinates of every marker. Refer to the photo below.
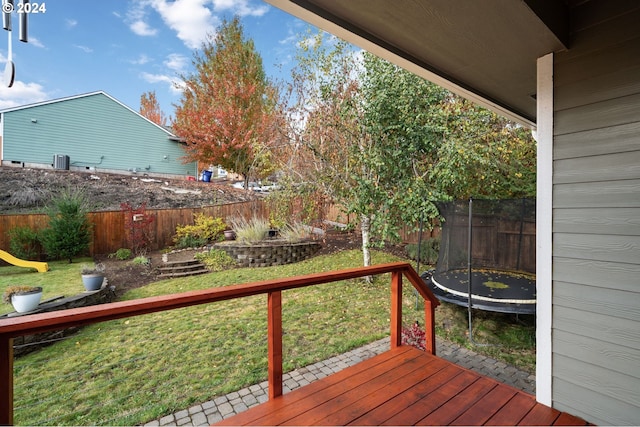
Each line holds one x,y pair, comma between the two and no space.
491,290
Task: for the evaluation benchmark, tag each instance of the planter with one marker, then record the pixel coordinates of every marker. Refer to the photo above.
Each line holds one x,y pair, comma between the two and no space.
92,282
24,302
229,235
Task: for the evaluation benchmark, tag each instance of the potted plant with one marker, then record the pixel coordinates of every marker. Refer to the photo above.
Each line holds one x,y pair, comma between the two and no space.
92,277
23,298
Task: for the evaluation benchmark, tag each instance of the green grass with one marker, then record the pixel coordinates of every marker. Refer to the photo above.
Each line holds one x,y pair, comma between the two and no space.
134,370
61,279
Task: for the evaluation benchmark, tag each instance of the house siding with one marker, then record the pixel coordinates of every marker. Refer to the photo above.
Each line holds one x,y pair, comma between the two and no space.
596,216
96,132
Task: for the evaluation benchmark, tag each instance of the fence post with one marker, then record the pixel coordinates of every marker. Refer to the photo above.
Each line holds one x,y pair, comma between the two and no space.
274,342
6,380
396,308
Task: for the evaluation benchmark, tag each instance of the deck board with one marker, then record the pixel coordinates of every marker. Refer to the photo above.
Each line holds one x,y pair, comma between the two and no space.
404,386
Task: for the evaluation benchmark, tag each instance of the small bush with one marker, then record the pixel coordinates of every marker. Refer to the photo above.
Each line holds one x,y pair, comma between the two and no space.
252,231
190,242
429,250
140,260
215,259
24,243
414,336
205,229
121,254
294,232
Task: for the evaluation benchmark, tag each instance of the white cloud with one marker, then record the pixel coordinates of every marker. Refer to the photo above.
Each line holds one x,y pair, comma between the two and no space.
175,84
35,42
239,7
140,60
176,62
21,94
141,28
70,23
83,48
190,19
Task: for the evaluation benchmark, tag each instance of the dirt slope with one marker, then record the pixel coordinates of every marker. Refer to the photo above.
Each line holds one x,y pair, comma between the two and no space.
24,190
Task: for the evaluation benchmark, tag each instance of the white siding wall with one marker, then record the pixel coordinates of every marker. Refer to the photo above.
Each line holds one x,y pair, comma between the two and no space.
596,216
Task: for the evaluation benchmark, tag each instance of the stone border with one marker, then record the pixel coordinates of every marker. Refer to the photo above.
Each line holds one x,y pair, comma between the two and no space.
269,254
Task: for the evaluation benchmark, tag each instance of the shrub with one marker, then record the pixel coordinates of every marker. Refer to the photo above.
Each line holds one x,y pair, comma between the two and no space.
251,231
429,250
138,227
415,337
215,259
294,232
121,254
24,243
190,242
140,260
205,229
69,230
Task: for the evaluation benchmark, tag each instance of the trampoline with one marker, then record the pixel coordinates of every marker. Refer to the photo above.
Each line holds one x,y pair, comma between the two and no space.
487,256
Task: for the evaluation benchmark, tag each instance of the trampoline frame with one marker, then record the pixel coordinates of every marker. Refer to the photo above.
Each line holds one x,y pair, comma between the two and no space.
468,299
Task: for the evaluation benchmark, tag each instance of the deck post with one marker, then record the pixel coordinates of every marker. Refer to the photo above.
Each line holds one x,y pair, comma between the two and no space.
429,327
6,380
396,309
274,342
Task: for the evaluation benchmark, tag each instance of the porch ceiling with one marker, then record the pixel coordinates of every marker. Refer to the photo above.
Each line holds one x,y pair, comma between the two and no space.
483,50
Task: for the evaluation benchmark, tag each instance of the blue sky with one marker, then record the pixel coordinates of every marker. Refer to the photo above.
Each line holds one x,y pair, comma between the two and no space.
129,47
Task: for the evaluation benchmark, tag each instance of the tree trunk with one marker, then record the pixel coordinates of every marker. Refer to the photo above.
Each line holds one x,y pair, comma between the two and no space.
365,227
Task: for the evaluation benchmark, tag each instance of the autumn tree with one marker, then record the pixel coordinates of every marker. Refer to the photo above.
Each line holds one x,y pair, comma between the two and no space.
227,114
150,108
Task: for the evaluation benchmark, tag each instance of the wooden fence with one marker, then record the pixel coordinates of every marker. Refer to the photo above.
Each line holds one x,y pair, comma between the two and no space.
108,227
110,234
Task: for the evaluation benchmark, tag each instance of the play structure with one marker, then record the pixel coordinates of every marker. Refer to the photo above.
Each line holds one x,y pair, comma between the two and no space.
487,257
42,267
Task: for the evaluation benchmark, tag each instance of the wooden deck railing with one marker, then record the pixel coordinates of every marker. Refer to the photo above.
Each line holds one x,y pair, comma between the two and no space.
26,325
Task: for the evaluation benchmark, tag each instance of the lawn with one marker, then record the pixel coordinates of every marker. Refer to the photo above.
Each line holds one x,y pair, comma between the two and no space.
131,371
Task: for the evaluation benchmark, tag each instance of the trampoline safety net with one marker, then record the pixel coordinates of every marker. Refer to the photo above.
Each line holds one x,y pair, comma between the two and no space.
503,235
500,273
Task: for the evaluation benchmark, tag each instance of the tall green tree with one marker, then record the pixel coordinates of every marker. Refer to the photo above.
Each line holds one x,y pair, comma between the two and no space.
227,114
385,143
69,231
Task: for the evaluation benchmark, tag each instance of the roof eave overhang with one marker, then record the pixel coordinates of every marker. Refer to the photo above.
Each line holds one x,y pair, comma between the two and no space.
552,17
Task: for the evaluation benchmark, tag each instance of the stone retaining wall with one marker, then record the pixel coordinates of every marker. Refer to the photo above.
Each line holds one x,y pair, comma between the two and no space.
269,254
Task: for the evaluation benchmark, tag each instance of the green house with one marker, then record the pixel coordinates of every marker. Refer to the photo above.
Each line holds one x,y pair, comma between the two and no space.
92,132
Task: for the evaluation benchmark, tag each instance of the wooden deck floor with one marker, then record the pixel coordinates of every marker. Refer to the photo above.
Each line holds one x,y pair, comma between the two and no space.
404,386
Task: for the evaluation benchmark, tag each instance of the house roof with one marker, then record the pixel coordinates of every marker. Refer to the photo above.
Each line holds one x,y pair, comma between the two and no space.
485,51
84,95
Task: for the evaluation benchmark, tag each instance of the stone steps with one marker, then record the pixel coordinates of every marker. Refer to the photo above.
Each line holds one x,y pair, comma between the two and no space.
182,269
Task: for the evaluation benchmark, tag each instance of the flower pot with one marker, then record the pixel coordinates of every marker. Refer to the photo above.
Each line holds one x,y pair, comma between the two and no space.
229,235
92,282
25,302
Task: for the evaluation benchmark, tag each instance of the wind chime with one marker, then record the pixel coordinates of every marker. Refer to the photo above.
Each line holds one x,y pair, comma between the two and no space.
8,8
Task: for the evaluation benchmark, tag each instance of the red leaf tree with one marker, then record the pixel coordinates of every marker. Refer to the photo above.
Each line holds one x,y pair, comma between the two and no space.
227,115
150,108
